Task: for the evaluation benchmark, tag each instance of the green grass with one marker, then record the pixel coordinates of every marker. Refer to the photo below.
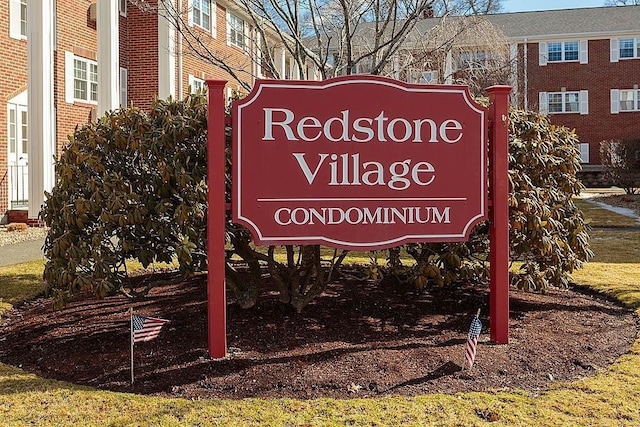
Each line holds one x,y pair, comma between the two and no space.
599,217
19,283
610,398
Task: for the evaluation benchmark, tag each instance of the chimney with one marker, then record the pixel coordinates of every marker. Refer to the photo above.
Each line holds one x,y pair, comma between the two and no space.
428,12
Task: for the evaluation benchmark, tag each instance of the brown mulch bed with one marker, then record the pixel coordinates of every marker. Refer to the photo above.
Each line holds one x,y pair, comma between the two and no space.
359,339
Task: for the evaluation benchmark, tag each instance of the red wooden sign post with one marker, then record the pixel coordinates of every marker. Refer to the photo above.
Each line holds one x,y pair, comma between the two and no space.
359,162
499,219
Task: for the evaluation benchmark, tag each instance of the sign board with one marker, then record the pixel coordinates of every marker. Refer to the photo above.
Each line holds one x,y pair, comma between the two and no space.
358,162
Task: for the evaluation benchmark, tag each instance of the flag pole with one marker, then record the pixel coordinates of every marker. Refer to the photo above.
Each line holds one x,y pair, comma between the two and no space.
131,338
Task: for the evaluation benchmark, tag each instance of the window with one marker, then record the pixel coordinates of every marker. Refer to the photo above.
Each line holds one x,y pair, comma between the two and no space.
584,152
81,79
472,60
122,7
85,80
564,102
12,130
429,77
628,48
625,100
196,84
562,51
200,13
18,19
235,31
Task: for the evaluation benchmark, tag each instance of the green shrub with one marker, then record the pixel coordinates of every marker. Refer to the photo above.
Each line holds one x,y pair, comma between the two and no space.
129,186
133,186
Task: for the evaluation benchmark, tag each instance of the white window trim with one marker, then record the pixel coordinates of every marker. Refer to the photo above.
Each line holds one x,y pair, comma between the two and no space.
583,102
193,81
15,27
429,77
583,52
245,28
122,7
584,152
616,101
69,78
636,44
213,17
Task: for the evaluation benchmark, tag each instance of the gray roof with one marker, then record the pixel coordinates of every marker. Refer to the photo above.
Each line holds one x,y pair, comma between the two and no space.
590,22
587,22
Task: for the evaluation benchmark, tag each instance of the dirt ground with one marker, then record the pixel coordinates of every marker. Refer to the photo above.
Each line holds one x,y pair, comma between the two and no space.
359,339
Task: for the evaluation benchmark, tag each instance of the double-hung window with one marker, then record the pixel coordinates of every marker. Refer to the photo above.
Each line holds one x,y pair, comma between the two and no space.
564,102
85,80
629,48
201,15
196,84
625,100
562,51
18,19
81,79
235,31
626,48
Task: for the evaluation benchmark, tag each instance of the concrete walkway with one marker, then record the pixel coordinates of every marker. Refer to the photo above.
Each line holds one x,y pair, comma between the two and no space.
18,253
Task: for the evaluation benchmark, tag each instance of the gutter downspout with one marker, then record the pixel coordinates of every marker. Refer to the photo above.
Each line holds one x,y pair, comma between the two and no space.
179,46
526,75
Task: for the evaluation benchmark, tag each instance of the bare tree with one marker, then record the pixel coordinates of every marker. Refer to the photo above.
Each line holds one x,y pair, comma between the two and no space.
467,7
621,2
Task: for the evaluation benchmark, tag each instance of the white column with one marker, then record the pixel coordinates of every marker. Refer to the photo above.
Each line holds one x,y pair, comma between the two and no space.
448,68
40,113
108,56
166,52
283,63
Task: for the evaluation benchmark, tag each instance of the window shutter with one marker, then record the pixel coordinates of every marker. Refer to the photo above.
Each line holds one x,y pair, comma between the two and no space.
614,50
584,102
584,152
190,12
543,104
542,52
123,87
584,51
615,101
228,28
14,19
214,19
68,77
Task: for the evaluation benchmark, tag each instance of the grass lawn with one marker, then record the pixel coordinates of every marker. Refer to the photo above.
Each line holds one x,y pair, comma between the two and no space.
610,398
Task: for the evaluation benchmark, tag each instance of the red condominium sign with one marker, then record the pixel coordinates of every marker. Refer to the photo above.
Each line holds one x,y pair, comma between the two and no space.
358,162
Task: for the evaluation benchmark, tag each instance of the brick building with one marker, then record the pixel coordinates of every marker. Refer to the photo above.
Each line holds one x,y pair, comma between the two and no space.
81,58
579,66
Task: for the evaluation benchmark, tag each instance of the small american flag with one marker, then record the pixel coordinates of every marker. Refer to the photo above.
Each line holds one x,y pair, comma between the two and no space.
472,340
146,328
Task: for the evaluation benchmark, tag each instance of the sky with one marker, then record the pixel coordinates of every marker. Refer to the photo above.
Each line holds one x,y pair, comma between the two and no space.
528,5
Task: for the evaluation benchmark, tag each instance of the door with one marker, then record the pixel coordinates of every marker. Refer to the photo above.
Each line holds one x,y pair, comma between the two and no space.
18,159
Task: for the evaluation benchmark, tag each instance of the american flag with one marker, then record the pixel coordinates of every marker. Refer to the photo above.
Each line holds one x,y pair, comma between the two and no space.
146,328
472,340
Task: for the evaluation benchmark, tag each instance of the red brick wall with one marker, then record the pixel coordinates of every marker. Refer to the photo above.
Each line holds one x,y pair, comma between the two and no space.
13,70
75,33
233,56
599,76
139,54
